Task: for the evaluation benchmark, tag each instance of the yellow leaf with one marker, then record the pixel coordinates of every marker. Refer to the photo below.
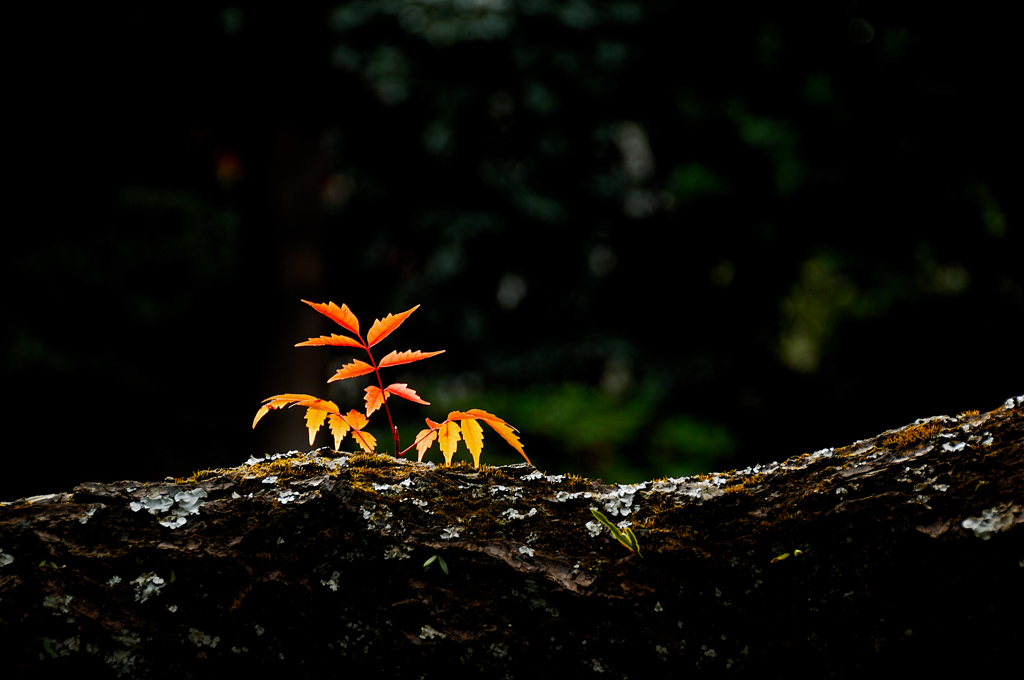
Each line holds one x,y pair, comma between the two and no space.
281,400
506,431
448,439
314,419
366,441
423,441
473,435
339,428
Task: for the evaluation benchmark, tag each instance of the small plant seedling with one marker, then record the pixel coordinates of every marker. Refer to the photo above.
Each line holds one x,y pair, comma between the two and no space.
440,562
446,433
626,538
783,556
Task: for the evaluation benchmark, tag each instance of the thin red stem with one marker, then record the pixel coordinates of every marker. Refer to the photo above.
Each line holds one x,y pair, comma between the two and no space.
384,396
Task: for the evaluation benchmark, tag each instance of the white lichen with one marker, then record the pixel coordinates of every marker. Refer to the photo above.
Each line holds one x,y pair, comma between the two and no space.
994,520
563,496
188,503
512,513
146,585
620,501
201,639
451,532
429,633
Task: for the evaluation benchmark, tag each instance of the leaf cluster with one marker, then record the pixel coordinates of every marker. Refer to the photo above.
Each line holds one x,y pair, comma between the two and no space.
458,425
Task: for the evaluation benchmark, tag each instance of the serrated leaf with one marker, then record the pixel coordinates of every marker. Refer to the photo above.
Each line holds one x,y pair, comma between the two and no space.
342,316
448,440
374,399
339,428
366,441
507,432
382,328
406,357
314,419
282,400
402,390
473,435
355,419
352,370
423,441
332,339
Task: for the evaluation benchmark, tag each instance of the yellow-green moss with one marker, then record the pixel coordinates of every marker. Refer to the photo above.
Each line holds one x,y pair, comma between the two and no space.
913,434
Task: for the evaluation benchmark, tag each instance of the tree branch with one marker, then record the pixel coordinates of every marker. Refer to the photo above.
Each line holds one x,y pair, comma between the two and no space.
899,548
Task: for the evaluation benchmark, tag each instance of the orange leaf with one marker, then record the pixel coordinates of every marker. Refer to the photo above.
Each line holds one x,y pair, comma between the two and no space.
382,327
355,419
402,390
423,441
473,435
282,400
506,431
406,357
339,428
332,339
342,316
374,399
366,441
448,439
314,419
352,370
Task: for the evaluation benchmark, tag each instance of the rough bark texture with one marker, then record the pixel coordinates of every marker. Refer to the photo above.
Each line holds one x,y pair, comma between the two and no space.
910,557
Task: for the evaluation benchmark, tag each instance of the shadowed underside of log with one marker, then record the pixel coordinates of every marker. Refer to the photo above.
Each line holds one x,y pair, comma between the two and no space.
904,548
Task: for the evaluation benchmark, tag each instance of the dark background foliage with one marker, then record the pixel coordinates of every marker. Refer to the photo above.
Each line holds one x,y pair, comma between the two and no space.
659,238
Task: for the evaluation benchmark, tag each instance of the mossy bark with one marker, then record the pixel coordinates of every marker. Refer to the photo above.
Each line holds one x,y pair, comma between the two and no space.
904,550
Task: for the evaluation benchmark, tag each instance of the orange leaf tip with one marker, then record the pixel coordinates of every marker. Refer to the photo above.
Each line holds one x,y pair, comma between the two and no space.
382,328
342,316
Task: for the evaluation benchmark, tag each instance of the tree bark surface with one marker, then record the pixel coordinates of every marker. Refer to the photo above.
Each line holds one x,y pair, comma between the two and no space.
898,552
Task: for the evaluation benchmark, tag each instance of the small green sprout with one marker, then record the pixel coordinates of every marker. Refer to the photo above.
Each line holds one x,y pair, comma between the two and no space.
796,553
626,538
440,561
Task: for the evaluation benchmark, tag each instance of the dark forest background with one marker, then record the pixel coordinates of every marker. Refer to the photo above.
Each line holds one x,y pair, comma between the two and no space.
659,238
